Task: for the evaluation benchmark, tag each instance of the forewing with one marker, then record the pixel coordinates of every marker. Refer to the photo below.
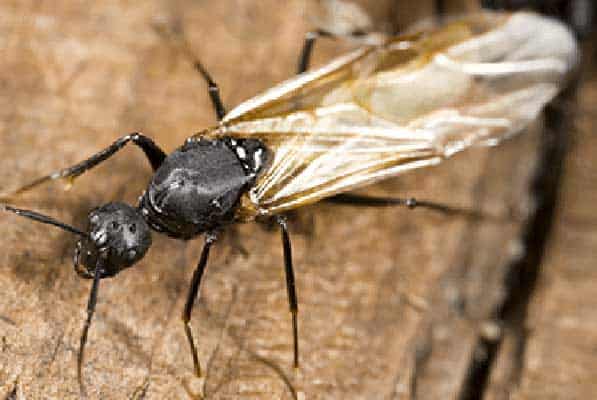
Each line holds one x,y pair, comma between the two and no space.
401,104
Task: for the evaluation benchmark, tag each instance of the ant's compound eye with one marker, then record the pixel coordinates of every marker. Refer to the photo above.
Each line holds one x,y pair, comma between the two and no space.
118,237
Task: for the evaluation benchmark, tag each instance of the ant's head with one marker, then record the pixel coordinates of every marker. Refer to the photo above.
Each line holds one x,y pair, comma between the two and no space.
117,237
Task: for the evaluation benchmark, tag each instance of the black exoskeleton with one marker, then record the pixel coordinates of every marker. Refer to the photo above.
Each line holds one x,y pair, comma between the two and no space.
118,234
197,187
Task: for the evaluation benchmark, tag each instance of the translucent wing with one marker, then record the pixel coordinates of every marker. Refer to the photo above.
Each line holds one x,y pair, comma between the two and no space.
399,104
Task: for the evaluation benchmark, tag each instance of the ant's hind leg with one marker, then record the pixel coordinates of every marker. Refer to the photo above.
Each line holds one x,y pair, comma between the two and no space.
290,285
333,20
357,200
152,151
307,50
309,43
440,8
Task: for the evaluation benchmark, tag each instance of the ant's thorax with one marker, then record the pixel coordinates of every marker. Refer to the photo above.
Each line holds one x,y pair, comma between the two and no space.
198,186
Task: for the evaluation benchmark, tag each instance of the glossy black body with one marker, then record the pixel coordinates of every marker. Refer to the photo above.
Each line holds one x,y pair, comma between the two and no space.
195,189
198,186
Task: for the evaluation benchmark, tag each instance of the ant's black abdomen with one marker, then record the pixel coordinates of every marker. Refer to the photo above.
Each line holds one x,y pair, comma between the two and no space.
197,187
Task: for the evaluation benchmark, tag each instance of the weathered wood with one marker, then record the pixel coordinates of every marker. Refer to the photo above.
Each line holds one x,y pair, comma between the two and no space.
472,283
552,355
391,301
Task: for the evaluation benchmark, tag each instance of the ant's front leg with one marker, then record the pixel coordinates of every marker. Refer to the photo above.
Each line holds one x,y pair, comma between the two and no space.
193,294
155,155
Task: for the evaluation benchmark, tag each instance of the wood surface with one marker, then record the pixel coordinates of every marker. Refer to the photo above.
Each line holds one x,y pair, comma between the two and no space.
551,353
393,303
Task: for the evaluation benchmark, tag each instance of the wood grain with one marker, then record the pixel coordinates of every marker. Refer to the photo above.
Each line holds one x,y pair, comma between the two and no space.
551,354
392,301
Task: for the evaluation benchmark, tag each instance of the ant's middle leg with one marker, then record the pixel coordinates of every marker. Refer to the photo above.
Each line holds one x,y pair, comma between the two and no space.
177,37
155,155
193,293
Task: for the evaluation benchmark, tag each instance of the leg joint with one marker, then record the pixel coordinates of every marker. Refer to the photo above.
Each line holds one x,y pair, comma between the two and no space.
135,136
282,220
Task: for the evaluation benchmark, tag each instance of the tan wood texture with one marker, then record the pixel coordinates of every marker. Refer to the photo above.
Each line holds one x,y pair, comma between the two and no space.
552,354
392,302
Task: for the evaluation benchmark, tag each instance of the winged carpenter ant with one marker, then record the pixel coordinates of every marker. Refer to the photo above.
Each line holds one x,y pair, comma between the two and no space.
392,105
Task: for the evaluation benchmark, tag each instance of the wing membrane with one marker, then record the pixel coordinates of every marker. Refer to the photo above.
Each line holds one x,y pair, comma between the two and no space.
401,103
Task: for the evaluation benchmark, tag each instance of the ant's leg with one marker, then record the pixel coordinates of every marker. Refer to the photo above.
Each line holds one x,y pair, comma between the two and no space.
44,219
309,43
440,8
154,154
177,37
290,286
372,201
91,303
210,238
213,90
212,86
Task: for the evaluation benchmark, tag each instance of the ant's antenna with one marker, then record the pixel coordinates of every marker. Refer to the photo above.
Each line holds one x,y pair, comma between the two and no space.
44,219
91,303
